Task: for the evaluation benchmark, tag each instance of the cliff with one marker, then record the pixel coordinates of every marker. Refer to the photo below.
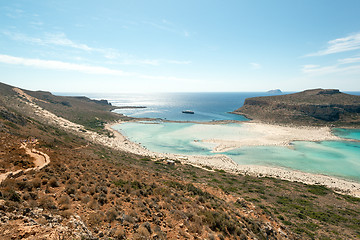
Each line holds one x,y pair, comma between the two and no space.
310,107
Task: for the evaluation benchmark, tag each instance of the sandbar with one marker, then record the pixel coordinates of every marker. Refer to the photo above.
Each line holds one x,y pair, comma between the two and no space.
260,134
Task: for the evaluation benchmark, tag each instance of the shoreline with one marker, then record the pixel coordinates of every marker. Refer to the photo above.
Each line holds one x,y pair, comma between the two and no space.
223,162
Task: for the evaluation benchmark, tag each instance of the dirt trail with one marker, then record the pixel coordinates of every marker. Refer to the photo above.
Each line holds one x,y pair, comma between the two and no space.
41,160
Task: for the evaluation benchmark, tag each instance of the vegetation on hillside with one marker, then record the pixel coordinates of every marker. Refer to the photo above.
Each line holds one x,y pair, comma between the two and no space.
89,191
327,107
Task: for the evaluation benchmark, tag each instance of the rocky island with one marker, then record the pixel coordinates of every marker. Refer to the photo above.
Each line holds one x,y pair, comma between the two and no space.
274,91
320,107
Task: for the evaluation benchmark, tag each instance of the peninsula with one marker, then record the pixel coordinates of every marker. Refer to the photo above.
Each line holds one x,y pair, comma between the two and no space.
316,107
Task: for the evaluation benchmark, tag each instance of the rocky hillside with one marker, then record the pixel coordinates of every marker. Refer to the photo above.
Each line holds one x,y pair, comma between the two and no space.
310,107
90,191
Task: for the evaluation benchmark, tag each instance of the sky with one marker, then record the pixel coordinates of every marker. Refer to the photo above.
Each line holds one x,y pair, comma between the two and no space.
115,46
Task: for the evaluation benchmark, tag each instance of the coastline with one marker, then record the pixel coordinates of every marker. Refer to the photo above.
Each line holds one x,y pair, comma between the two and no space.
225,163
221,162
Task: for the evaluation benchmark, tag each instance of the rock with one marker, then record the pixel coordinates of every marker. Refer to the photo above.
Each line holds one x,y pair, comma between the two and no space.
147,226
3,205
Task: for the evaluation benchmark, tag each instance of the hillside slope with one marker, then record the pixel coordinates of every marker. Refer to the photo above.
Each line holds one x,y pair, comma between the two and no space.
90,191
310,107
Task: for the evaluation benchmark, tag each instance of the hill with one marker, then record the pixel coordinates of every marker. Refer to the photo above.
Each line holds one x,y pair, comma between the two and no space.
87,190
310,107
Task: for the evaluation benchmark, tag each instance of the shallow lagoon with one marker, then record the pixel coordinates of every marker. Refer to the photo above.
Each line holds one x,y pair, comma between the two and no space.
334,158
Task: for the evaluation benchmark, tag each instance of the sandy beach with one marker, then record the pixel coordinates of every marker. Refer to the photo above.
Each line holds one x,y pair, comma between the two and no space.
273,135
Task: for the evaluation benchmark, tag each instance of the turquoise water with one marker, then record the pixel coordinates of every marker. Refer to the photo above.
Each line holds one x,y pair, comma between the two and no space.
334,158
337,158
181,138
347,133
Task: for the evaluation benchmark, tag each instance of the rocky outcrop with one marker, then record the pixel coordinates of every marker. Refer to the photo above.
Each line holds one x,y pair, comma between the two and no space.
101,102
317,106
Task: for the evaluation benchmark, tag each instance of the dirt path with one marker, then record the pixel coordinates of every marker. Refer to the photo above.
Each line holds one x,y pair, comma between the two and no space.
41,160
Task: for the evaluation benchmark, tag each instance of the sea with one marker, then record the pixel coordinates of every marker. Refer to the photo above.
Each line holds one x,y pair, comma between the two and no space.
333,158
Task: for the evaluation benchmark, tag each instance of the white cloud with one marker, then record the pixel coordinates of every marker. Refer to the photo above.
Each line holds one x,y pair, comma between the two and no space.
338,45
255,65
37,23
325,70
14,12
89,69
58,65
60,39
152,62
349,60
345,66
169,27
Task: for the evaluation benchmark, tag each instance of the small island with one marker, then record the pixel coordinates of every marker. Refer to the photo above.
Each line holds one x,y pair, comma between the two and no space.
274,91
319,107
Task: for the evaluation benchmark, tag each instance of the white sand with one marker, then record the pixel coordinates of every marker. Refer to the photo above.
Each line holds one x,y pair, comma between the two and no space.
259,134
274,135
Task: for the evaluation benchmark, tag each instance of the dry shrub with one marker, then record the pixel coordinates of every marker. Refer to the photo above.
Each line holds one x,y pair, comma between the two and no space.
142,233
44,181
195,228
93,204
64,202
42,221
96,218
24,185
66,213
118,202
119,234
112,197
111,214
53,183
36,182
26,196
33,203
85,199
64,199
84,189
47,202
9,184
92,191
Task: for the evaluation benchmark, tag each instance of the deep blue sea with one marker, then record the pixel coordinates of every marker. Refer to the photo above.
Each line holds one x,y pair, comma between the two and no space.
207,106
334,158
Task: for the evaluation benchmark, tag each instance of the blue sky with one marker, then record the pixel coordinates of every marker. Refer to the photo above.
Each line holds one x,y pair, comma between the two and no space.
180,46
